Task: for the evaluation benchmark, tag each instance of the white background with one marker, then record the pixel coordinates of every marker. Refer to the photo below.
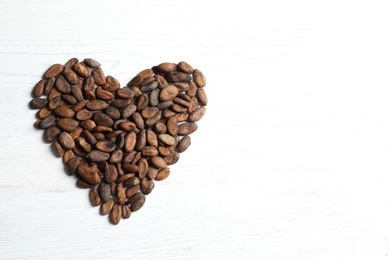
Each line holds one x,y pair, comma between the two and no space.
291,160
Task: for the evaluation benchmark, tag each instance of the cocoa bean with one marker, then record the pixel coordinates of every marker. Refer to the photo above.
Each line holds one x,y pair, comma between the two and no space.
92,63
126,212
168,93
104,191
62,85
197,114
187,128
137,205
183,144
98,156
162,174
54,71
158,162
67,124
94,197
66,140
39,88
38,103
51,133
106,207
89,174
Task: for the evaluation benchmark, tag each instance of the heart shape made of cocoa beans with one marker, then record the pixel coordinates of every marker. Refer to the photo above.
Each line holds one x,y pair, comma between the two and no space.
118,141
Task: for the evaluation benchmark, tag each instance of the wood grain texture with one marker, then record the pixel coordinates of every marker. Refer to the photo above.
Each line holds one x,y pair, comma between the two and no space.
289,162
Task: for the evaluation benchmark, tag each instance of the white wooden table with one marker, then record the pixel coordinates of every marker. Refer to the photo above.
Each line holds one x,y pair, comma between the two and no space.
291,160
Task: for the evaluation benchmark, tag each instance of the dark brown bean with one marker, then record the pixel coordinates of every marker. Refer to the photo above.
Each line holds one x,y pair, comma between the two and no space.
183,144
67,124
106,146
39,88
111,84
94,197
199,78
187,128
106,207
185,67
102,119
111,173
162,174
172,158
105,191
158,162
116,214
72,165
64,112
66,140
89,174
131,182
147,186
168,93
38,103
201,94
197,114
127,167
137,205
98,156
131,191
49,85
51,133
126,212
92,63
54,71
47,122
96,105
113,112
62,85
125,93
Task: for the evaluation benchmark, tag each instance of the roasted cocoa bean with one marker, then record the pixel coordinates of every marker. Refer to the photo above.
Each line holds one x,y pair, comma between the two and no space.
106,207
94,197
105,191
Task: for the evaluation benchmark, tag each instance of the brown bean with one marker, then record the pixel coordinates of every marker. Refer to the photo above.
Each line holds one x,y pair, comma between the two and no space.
62,85
120,193
96,105
51,133
54,71
201,94
116,214
106,146
168,93
185,67
104,191
67,124
126,212
98,156
64,112
38,103
39,88
47,122
183,144
92,63
94,197
106,207
197,114
162,174
89,174
187,128
137,205
131,191
66,140
158,162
